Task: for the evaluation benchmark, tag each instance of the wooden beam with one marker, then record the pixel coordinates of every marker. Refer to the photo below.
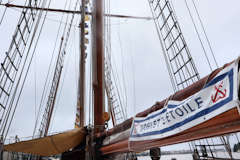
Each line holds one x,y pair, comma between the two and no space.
81,83
74,12
225,123
178,96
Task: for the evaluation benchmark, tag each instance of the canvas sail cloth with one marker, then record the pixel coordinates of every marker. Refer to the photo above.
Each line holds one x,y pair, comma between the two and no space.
50,145
216,97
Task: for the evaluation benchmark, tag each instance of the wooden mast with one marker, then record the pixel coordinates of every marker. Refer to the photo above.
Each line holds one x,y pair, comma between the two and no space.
98,65
81,94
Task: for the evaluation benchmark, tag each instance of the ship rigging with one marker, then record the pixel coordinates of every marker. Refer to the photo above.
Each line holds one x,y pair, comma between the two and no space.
93,140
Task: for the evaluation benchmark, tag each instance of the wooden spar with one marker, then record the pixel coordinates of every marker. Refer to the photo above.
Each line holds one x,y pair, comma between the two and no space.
75,12
227,122
81,84
178,96
51,108
98,66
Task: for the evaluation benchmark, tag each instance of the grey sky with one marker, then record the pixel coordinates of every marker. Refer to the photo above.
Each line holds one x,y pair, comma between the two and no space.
135,45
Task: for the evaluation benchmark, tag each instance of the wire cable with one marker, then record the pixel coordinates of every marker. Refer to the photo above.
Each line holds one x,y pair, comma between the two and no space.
44,92
60,62
198,34
3,15
123,69
30,61
60,92
65,73
205,33
14,94
208,42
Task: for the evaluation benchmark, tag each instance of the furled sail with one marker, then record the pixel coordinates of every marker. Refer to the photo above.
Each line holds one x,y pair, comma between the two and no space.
216,97
50,145
208,108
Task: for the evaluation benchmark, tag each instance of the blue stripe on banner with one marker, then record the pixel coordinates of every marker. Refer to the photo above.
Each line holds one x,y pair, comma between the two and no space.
219,78
197,115
215,80
212,82
172,106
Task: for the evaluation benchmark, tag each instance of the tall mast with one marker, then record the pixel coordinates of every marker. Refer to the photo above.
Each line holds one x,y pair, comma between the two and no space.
98,64
81,83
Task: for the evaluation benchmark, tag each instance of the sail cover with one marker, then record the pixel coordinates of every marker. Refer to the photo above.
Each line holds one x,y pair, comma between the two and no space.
50,145
216,97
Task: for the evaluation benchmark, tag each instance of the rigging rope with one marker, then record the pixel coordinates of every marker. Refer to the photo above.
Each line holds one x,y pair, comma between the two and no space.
133,79
75,58
47,18
169,67
172,40
44,92
198,34
28,67
60,91
205,33
124,91
9,109
14,55
44,126
3,15
211,50
5,10
65,73
112,81
35,86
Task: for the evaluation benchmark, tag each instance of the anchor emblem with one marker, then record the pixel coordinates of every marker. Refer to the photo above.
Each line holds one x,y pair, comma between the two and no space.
220,93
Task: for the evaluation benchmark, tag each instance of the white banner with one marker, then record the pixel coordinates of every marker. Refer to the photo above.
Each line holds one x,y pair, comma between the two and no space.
218,96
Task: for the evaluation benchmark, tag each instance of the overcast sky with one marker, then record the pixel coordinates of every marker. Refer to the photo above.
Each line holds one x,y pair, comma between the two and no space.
135,48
